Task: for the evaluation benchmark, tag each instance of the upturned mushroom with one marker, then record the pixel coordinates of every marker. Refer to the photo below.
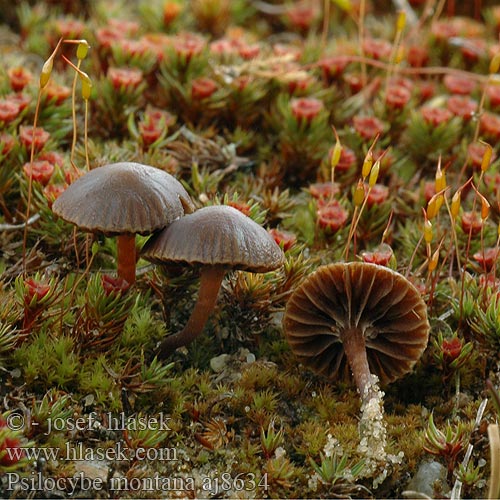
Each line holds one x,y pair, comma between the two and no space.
217,239
358,316
123,199
366,318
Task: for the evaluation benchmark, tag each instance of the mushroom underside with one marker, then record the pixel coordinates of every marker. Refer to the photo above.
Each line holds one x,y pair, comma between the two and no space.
379,302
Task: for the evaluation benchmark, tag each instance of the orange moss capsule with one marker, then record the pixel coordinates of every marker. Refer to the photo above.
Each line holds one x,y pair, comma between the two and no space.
433,262
440,182
432,208
495,63
485,208
439,201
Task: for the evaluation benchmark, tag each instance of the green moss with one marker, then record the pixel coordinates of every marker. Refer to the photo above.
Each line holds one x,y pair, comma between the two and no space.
142,328
309,438
47,361
95,379
85,349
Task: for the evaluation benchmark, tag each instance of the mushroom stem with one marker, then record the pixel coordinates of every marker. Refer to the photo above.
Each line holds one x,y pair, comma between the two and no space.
355,351
210,281
126,257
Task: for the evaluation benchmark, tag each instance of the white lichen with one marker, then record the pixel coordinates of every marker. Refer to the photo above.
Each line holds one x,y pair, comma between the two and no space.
373,435
332,446
313,482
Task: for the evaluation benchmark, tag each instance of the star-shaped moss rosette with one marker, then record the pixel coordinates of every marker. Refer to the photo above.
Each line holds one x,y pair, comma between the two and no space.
118,94
303,135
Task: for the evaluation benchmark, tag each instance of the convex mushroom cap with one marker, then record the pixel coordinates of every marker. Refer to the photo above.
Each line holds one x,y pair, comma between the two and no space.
216,235
217,239
342,300
123,198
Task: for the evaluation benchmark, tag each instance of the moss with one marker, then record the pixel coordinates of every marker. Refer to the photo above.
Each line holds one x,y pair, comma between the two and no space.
49,362
141,328
309,438
84,350
95,379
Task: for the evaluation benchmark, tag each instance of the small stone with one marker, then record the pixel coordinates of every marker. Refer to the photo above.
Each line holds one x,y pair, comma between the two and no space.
92,469
88,400
277,318
219,362
250,357
426,476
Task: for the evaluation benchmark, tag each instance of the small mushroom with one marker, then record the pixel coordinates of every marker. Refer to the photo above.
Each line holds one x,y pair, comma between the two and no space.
360,316
123,199
217,239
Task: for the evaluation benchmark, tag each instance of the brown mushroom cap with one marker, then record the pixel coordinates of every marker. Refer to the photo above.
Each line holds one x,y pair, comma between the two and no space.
123,198
216,235
380,302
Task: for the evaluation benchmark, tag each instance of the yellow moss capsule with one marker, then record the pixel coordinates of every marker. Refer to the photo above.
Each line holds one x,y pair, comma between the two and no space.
433,262
400,54
345,5
486,160
432,208
86,85
428,231
367,165
374,174
440,182
439,201
82,49
359,194
401,22
46,72
86,90
455,204
495,63
337,151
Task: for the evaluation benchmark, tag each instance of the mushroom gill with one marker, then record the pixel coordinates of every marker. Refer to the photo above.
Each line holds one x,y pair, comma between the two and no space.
376,306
